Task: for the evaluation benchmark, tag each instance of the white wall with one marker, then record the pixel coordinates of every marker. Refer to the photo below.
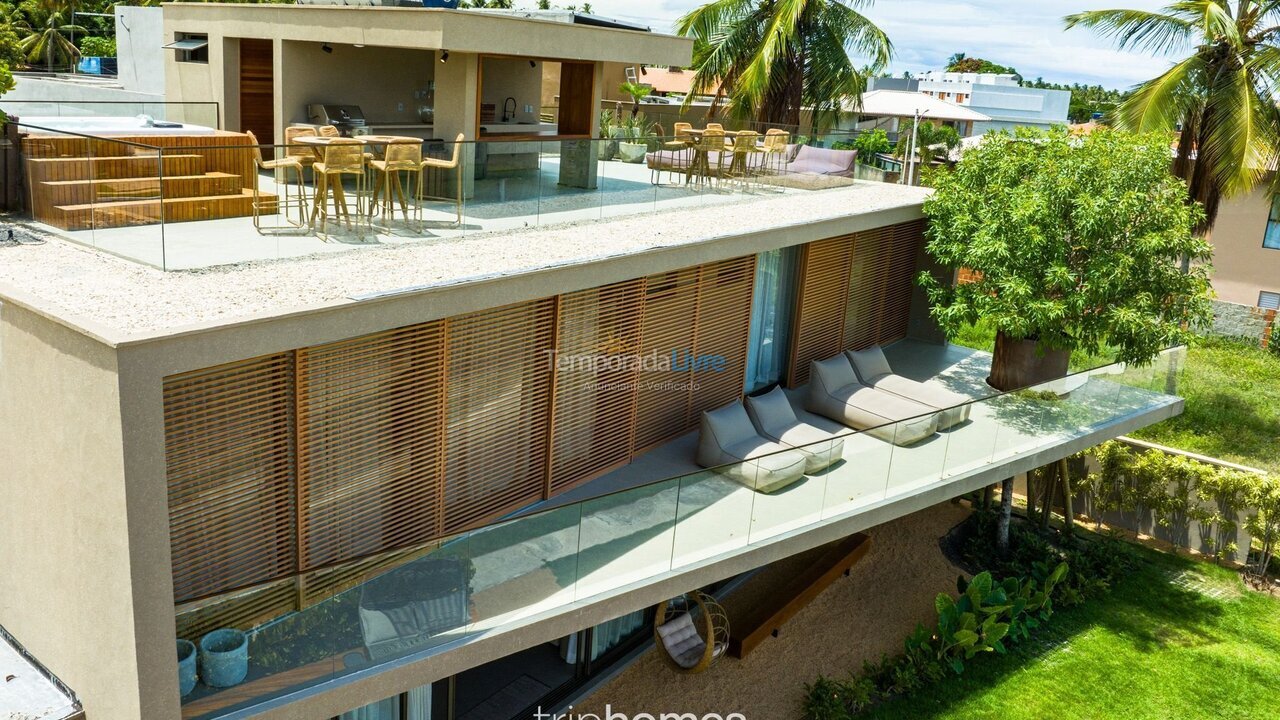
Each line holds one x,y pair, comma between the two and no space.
139,48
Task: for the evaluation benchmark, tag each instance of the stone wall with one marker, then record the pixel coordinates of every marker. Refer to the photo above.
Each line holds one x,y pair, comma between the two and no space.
1242,321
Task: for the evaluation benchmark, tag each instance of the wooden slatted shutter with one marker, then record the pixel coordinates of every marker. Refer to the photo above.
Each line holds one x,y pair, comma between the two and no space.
229,450
906,240
499,401
597,335
724,328
821,305
370,417
670,316
867,285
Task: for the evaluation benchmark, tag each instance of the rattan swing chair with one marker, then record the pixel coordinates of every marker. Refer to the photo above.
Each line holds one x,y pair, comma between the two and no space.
691,639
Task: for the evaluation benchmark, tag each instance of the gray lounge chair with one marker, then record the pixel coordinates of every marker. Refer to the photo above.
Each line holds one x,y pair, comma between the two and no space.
835,392
874,371
730,443
776,420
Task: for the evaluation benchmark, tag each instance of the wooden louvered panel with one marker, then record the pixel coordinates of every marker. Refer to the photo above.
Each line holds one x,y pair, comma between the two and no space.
667,326
821,303
724,327
229,451
591,429
498,400
369,449
243,610
906,241
317,587
872,258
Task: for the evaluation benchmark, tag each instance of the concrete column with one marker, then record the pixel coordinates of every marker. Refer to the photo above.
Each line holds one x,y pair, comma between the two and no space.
580,159
458,106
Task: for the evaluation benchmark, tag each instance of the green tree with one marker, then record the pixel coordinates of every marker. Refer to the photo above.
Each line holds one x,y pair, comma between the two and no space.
932,141
871,143
1074,243
961,63
47,35
771,58
1264,522
1222,92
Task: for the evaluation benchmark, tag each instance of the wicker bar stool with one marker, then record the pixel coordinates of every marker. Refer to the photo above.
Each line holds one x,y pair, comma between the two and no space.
283,203
775,149
442,167
400,158
708,157
742,166
343,157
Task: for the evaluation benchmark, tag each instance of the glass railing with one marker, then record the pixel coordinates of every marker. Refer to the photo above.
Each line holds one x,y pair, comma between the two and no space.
186,197
549,559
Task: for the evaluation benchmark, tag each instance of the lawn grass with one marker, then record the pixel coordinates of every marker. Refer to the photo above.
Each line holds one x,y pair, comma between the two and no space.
1232,392
1174,639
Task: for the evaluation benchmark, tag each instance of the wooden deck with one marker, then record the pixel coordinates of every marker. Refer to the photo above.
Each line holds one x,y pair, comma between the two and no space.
78,184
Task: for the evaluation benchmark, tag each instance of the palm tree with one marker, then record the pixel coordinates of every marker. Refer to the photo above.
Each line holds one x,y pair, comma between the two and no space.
771,58
932,141
1222,93
46,36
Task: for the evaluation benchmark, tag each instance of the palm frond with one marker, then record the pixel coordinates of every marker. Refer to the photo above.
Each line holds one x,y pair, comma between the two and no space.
1160,104
1137,29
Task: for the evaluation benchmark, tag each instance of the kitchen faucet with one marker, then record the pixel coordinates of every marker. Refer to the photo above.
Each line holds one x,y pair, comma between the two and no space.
509,114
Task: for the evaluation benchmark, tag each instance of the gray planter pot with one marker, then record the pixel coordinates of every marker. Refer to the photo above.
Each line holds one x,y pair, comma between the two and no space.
186,667
632,152
224,658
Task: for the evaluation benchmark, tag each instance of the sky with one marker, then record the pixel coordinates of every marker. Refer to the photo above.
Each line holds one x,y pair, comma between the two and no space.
1025,34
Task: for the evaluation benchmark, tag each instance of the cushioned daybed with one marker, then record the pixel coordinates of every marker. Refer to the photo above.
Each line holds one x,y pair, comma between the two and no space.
823,161
776,420
730,443
874,371
835,392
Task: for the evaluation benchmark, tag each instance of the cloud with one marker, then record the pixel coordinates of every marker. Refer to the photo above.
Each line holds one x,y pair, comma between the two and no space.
1027,35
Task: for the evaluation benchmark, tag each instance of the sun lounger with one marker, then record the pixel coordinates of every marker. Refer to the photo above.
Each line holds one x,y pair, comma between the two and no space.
730,444
836,393
874,371
775,419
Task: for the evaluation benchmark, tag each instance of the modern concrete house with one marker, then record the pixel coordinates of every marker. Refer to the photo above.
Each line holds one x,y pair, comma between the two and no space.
448,471
1000,97
1246,249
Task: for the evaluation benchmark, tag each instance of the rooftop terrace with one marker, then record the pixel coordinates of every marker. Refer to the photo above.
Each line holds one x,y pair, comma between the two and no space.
120,300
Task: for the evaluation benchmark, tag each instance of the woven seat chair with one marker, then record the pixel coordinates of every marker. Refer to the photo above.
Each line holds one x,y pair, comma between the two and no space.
708,158
744,163
280,204
343,157
775,149
305,154
682,141
691,639
403,158
329,131
442,167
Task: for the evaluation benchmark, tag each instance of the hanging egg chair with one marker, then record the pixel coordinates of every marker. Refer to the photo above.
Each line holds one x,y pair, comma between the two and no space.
690,638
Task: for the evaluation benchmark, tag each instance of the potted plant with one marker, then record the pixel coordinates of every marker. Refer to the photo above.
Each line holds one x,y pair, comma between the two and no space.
608,145
186,667
635,139
637,92
224,657
1067,249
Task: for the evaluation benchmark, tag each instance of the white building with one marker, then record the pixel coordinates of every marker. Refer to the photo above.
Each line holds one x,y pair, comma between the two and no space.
999,97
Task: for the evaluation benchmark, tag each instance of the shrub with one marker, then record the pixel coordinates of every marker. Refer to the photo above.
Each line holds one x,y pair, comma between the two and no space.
94,46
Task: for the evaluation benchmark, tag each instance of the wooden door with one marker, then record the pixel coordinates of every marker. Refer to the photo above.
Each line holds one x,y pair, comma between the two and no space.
257,92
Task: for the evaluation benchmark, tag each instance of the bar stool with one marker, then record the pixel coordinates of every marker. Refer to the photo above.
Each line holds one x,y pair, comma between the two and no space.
399,158
744,149
343,157
454,164
705,166
278,204
775,149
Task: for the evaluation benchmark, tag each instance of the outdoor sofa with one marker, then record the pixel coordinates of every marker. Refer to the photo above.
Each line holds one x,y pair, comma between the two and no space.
775,419
836,393
729,443
873,371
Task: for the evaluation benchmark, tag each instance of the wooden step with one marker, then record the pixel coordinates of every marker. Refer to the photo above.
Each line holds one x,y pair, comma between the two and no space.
123,166
147,212
78,192
784,588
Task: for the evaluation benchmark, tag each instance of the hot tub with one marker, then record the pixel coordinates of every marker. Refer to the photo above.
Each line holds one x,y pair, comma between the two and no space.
113,126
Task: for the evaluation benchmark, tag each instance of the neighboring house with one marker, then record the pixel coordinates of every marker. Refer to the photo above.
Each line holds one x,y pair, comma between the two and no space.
450,477
1007,104
889,110
1246,249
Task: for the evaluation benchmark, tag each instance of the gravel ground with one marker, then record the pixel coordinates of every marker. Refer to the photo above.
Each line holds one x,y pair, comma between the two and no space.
128,298
857,618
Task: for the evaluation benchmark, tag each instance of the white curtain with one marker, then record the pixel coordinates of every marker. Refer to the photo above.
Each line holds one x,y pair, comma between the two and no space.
771,310
388,709
609,634
419,703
